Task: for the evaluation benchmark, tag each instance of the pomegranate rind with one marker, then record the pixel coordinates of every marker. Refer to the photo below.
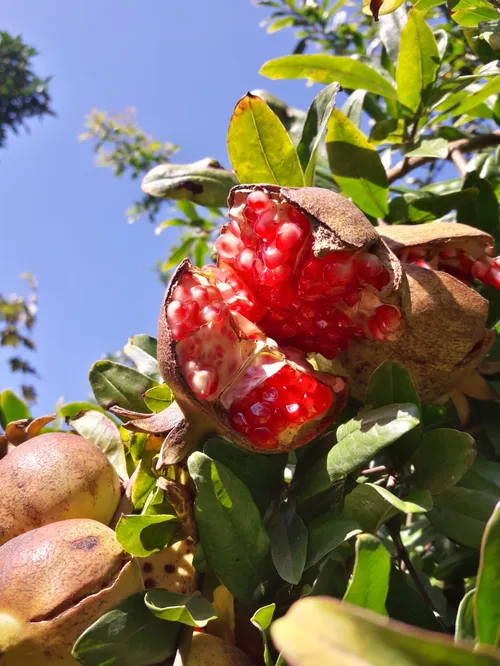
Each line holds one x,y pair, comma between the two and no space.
437,236
211,417
337,224
444,345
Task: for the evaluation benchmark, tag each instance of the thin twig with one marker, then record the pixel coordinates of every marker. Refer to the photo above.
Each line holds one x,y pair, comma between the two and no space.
456,156
403,555
372,471
464,145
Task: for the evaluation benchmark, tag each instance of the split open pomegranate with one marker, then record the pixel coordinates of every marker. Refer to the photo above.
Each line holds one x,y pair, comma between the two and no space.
299,271
457,249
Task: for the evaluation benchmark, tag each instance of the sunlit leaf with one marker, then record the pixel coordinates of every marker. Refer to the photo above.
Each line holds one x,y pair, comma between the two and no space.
487,596
190,609
369,584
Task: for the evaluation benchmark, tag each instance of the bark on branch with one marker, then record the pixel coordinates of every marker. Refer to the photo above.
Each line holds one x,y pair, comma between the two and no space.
461,145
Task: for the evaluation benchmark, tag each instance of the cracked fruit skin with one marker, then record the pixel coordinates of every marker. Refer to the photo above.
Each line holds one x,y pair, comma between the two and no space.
444,345
60,578
55,476
207,650
299,271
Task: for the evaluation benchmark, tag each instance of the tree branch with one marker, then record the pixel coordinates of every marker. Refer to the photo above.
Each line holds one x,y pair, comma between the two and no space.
463,145
458,159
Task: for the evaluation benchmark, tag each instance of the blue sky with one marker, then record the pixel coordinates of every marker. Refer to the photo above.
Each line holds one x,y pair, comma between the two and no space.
183,65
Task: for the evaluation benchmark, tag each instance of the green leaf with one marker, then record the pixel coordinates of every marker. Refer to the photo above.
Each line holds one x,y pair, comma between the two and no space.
259,147
476,98
469,13
356,166
262,619
117,384
231,530
404,602
204,182
369,584
358,441
483,211
371,506
426,206
190,609
461,514
128,635
441,460
178,254
145,481
464,627
483,476
159,398
387,7
314,130
326,532
143,535
353,106
349,73
430,148
326,631
102,431
263,476
418,63
71,409
12,408
142,350
288,537
487,596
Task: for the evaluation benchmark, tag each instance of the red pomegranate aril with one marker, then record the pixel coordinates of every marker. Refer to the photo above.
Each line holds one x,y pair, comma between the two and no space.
281,273
180,330
367,265
177,312
307,383
200,295
203,383
265,226
296,413
258,413
211,311
375,330
480,270
322,399
289,236
270,394
193,310
494,277
259,201
339,268
466,262
351,298
250,215
282,295
246,260
234,228
313,269
181,294
448,253
228,246
388,319
263,438
278,421
422,264
274,257
239,422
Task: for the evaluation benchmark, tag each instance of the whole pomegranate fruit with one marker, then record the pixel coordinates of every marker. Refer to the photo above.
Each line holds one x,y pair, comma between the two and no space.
299,271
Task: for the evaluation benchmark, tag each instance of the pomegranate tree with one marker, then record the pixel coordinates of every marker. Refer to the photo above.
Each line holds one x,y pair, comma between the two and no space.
300,271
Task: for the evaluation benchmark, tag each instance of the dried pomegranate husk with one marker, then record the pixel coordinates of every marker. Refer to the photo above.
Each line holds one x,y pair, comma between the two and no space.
463,251
216,360
445,343
317,267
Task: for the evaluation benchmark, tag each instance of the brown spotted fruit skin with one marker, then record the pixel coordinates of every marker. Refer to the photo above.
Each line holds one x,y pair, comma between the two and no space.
55,476
60,578
444,344
207,650
171,568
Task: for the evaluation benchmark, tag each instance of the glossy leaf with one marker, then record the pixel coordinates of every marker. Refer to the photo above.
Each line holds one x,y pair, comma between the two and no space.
349,73
234,540
430,148
259,147
314,130
464,628
390,26
143,535
386,7
318,630
145,480
356,166
470,13
117,384
204,182
142,349
288,537
487,596
262,619
70,409
391,383
128,635
263,476
461,514
192,610
12,408
102,431
326,532
481,212
418,62
358,441
353,106
159,398
371,506
441,460
369,584
426,206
